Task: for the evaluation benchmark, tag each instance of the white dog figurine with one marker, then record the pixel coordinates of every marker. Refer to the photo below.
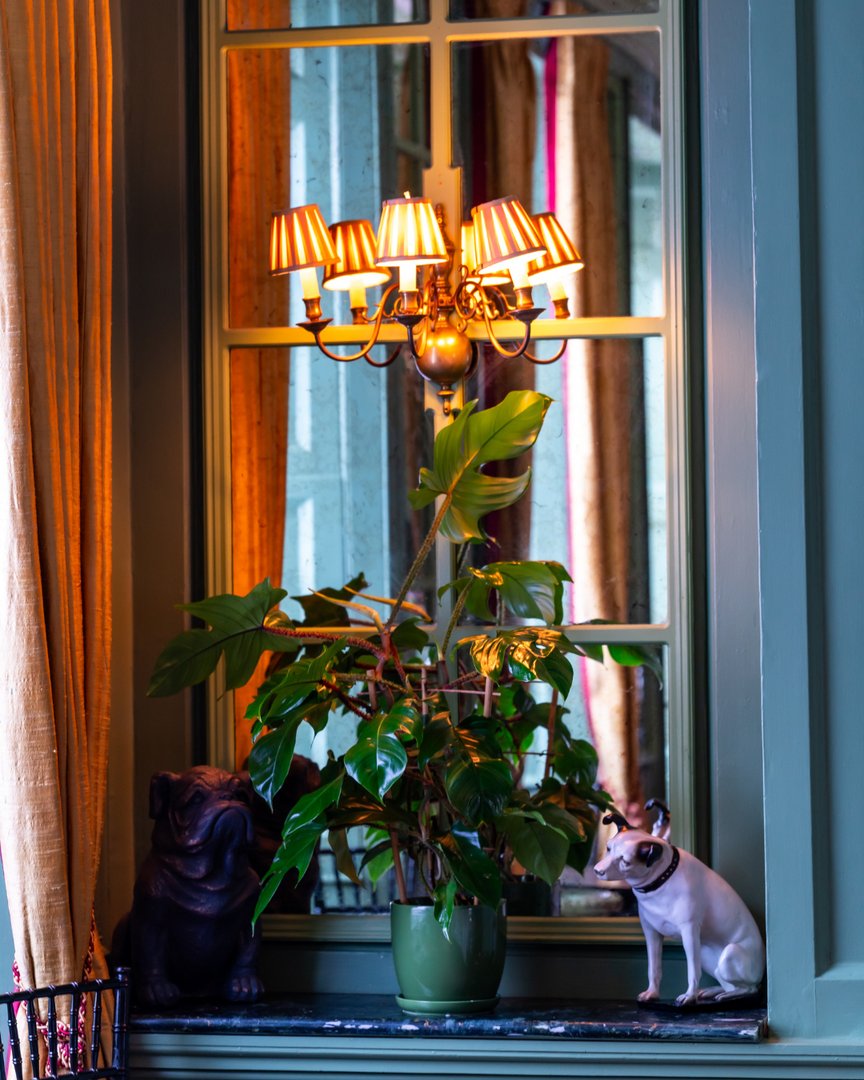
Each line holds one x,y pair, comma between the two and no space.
682,898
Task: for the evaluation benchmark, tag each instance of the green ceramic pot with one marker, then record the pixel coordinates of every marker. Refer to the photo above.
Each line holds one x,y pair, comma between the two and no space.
458,973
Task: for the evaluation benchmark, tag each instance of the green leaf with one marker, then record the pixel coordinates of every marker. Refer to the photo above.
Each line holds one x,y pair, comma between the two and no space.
312,805
239,631
531,652
408,637
437,735
295,853
471,440
318,612
344,862
638,656
475,872
478,788
530,590
378,860
378,758
539,846
443,902
270,759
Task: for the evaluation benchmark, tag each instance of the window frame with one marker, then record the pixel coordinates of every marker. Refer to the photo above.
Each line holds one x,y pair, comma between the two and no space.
219,338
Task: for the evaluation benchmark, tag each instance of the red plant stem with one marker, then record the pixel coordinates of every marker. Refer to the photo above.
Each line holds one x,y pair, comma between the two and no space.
328,635
364,714
550,734
419,559
397,866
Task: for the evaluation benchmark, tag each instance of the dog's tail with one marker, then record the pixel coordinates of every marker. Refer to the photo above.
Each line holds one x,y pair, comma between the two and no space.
663,825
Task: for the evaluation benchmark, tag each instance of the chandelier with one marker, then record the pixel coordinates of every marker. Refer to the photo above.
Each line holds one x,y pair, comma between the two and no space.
505,252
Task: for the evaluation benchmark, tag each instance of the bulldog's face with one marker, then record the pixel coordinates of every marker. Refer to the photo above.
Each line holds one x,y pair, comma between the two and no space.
201,809
632,856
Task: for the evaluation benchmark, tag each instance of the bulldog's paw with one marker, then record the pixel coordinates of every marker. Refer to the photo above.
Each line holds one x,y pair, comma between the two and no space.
689,997
158,992
243,986
648,995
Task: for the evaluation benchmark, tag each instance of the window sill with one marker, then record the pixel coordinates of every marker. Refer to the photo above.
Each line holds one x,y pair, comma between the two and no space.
520,1018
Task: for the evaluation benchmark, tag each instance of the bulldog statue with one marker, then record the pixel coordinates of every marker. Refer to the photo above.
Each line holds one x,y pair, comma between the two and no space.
189,932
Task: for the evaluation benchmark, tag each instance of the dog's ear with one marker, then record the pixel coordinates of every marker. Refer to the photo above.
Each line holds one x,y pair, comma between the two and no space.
160,793
650,852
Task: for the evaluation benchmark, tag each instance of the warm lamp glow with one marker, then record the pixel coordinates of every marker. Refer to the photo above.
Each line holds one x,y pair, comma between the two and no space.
561,256
299,240
505,237
408,232
354,267
469,258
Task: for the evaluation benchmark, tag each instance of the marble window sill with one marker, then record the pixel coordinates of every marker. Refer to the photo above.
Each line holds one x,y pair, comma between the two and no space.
514,1018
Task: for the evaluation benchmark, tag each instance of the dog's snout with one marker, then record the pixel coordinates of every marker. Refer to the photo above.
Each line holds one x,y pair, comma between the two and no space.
602,867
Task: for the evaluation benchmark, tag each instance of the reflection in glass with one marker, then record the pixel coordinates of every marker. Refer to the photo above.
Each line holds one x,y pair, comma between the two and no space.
597,501
571,124
340,127
536,9
322,457
285,14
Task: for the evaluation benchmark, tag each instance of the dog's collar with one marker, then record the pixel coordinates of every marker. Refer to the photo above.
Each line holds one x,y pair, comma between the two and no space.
664,877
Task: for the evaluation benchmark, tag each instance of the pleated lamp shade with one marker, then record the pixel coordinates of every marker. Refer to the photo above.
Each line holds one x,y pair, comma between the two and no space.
469,258
561,256
504,235
299,240
408,232
354,267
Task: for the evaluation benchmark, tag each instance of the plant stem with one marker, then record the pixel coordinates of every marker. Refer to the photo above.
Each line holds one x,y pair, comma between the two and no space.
354,706
397,867
419,560
487,696
550,734
454,618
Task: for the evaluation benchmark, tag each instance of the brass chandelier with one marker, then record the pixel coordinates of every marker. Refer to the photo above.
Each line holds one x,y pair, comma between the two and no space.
504,253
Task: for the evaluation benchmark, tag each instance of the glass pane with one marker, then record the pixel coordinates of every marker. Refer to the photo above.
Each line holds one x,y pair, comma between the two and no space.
597,500
536,9
285,14
331,451
572,124
340,127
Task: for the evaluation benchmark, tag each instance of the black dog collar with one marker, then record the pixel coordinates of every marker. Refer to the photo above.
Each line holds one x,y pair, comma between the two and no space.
664,877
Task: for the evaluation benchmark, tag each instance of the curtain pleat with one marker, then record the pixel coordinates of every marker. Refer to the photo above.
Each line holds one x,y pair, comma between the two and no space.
55,474
599,395
259,119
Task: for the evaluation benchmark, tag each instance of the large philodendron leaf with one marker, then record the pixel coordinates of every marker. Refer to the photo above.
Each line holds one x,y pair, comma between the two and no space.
478,786
540,846
528,589
240,628
471,440
378,758
295,853
530,652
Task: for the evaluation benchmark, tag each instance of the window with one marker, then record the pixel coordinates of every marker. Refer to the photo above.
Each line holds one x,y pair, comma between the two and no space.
572,106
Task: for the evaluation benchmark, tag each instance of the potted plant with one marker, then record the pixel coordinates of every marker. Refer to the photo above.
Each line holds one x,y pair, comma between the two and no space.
444,727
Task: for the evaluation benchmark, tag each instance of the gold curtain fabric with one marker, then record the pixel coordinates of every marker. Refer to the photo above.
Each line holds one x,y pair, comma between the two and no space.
55,473
259,121
599,393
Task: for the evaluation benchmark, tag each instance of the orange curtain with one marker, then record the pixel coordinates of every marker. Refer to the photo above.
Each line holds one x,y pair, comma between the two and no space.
600,389
259,124
55,475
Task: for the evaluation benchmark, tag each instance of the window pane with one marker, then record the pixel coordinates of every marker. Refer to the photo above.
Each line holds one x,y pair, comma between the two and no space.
323,455
285,14
597,500
572,124
535,9
340,127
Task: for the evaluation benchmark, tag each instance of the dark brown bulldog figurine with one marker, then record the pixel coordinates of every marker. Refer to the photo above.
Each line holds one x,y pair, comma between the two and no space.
190,928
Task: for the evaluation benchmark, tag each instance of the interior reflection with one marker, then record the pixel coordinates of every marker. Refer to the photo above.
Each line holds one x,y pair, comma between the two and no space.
570,124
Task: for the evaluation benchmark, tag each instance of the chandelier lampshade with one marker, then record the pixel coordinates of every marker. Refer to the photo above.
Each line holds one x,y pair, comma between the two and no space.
561,256
504,237
354,242
299,240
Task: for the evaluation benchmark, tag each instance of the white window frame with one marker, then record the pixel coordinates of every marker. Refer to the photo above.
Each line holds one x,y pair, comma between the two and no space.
441,185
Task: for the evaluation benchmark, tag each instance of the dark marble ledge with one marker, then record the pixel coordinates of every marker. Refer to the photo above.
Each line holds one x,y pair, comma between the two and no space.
518,1018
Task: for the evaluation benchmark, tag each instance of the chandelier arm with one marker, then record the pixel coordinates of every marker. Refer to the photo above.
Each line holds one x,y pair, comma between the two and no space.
549,360
386,363
376,330
496,343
